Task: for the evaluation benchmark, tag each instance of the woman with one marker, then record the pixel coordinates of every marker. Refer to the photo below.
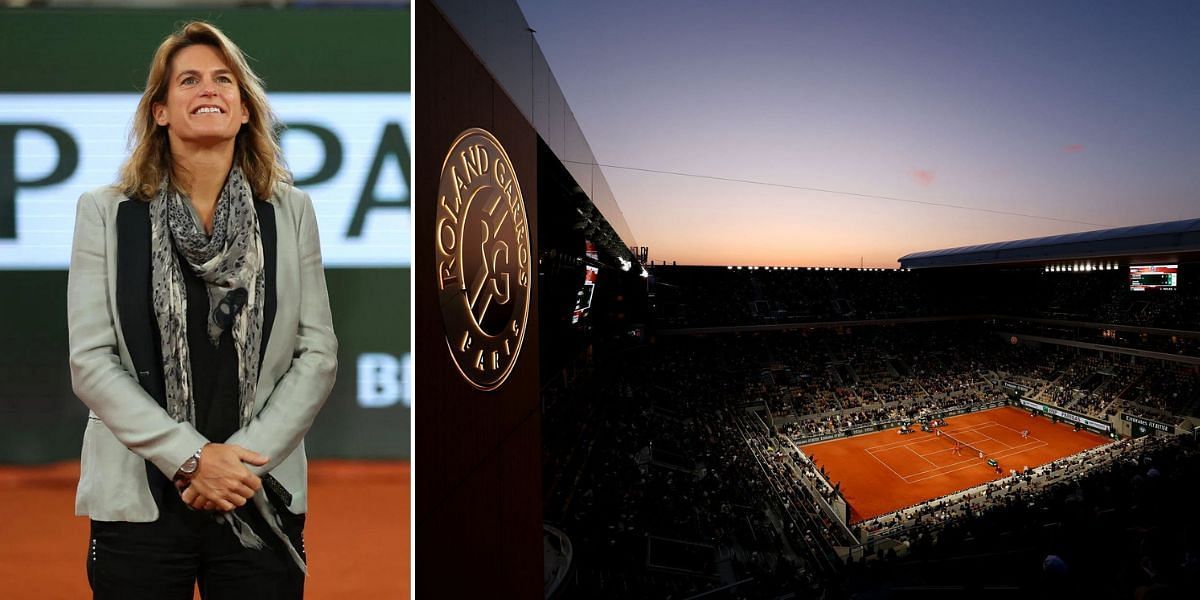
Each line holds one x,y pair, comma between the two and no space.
201,340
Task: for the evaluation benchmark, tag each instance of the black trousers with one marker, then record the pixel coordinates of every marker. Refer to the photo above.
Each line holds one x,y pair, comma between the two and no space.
165,559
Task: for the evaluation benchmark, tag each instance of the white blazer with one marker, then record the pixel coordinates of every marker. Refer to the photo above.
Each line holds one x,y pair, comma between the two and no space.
114,355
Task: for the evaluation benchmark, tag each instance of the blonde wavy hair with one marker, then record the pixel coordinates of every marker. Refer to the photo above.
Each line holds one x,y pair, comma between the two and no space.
256,149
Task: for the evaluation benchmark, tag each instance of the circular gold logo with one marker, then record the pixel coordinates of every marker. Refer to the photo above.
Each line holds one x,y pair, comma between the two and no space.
483,265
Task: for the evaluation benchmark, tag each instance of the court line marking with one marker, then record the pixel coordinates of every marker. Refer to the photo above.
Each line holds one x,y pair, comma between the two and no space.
985,438
997,456
968,429
1014,431
839,439
1022,445
986,425
939,470
951,449
920,456
973,459
887,466
935,465
1032,444
913,442
920,440
1029,437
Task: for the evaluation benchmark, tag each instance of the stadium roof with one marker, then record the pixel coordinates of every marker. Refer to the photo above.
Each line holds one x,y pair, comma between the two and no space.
1172,237
499,35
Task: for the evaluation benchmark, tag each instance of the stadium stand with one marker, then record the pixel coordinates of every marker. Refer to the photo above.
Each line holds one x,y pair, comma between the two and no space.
683,476
681,466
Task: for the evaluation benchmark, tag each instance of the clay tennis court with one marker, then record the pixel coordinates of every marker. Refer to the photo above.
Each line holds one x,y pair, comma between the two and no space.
357,531
885,471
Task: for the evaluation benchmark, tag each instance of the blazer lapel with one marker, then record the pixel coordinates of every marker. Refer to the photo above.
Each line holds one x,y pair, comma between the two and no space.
266,228
134,307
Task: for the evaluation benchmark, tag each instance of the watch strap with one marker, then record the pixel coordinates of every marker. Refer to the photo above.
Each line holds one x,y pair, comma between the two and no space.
190,466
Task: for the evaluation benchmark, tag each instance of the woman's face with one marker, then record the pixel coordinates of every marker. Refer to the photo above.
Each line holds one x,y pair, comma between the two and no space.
204,102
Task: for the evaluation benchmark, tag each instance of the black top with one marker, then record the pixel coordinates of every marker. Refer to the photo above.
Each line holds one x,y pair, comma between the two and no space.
214,368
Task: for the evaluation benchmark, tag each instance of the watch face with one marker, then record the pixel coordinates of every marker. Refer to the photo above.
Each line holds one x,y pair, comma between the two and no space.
189,465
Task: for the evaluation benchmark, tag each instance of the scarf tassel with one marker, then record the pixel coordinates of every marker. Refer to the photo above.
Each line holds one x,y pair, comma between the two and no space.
246,536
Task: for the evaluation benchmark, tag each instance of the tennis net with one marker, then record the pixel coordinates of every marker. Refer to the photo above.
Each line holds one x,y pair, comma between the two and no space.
968,449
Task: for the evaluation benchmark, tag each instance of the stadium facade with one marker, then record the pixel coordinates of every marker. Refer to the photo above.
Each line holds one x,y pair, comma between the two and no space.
519,242
506,184
1149,264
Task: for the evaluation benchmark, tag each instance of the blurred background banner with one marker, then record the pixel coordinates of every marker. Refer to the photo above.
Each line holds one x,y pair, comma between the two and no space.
338,79
344,150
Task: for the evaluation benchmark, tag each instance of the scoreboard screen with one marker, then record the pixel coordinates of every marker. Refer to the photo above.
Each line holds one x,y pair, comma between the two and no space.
1153,277
583,299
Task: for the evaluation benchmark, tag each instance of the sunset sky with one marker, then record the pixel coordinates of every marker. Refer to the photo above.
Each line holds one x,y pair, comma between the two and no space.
1076,115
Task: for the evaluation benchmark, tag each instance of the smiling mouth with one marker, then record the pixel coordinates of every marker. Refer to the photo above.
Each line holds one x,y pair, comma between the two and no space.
208,110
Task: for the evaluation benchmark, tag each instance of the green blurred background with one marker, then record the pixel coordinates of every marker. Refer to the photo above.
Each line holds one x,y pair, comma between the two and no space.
297,49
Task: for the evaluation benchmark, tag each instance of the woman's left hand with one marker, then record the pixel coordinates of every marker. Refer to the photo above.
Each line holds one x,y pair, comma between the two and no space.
190,496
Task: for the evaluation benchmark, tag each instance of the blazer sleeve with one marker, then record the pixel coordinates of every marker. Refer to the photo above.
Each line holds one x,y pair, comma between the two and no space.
280,426
97,376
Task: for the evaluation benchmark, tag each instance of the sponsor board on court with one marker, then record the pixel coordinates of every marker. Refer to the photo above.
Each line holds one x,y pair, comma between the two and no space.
1067,415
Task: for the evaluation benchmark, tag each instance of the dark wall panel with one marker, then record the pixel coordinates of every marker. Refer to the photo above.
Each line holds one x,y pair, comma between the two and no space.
478,477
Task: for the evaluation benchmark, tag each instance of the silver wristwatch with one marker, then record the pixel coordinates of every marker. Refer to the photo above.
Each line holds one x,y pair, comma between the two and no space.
189,466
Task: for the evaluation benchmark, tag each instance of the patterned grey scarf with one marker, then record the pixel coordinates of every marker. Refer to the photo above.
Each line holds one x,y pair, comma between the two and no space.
230,263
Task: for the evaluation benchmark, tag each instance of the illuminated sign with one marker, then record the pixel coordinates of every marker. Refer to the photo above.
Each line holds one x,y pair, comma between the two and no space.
583,298
1153,277
483,259
1068,416
349,152
1012,385
1148,423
